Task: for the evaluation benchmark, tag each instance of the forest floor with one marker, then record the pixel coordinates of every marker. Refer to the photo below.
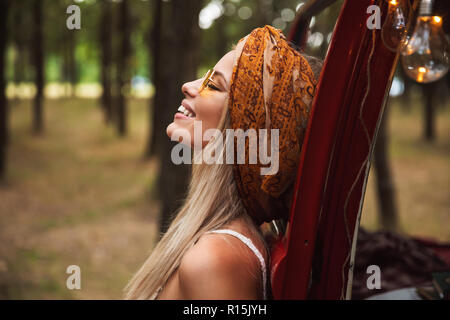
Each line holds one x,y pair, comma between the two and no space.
79,195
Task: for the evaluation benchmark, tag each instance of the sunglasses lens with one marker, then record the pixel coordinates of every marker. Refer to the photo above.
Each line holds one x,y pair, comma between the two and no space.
205,81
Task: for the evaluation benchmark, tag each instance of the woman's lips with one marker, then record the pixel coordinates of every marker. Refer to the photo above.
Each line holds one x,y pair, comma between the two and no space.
179,115
184,113
187,106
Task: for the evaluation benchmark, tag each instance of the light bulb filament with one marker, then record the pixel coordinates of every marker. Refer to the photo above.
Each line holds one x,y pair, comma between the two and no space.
437,19
422,69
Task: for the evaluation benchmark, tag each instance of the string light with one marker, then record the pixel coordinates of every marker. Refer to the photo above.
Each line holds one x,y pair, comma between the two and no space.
394,28
425,56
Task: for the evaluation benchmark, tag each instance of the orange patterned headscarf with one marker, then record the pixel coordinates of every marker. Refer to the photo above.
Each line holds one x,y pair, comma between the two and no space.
272,87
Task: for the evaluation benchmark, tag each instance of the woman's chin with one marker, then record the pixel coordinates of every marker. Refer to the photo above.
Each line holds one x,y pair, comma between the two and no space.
169,130
178,133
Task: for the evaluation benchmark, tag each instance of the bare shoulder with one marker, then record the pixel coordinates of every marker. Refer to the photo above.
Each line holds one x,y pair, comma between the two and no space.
218,267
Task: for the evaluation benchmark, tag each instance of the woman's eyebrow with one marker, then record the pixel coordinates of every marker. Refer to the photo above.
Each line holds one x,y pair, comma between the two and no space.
220,74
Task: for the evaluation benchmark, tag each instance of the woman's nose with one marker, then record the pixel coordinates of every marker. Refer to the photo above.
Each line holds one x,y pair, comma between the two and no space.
190,89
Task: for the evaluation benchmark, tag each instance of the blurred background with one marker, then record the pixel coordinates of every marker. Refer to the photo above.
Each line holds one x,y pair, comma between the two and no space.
86,177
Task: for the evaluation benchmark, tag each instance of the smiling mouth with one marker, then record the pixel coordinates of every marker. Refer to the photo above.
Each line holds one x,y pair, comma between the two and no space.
186,112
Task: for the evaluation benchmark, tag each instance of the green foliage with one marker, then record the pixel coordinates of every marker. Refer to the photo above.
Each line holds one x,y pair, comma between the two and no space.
84,47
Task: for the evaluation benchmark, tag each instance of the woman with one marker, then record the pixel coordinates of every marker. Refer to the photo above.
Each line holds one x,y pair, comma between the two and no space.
214,248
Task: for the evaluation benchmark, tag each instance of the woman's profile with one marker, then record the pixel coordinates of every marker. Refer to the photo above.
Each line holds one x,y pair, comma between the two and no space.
214,248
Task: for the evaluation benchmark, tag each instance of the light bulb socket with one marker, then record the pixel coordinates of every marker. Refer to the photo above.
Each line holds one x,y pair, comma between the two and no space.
426,7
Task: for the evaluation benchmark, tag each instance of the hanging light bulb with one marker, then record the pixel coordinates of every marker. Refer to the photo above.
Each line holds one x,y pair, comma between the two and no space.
425,57
395,26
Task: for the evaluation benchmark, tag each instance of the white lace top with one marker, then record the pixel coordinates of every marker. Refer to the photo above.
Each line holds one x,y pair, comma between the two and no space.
252,247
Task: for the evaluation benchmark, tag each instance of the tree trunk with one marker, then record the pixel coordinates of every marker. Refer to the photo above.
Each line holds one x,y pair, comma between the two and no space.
123,67
429,90
156,47
221,40
70,68
405,99
4,6
385,186
264,12
38,59
180,59
105,42
19,41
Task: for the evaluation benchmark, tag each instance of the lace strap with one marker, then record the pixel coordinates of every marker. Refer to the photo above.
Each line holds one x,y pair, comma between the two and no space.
252,247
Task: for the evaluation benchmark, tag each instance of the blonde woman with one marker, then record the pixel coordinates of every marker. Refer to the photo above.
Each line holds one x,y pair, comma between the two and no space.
214,248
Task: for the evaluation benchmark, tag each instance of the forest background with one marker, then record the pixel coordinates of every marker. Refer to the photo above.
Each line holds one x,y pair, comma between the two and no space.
85,170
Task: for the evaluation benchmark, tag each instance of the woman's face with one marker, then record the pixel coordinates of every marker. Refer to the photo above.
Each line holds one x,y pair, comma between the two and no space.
205,106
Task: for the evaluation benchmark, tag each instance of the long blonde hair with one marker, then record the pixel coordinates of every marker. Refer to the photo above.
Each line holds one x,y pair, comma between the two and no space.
212,201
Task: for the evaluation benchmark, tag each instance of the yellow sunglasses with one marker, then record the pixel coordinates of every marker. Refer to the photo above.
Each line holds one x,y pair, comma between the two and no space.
207,78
